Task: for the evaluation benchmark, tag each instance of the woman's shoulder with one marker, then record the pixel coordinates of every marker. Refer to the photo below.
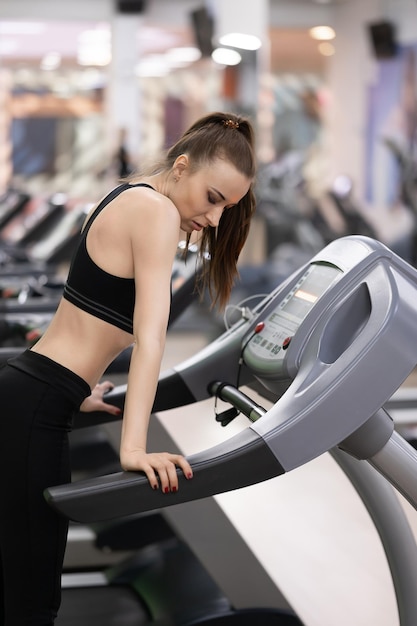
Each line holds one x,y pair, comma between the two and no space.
148,201
143,216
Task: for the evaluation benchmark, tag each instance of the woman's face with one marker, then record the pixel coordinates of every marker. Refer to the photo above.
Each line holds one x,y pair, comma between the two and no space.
202,196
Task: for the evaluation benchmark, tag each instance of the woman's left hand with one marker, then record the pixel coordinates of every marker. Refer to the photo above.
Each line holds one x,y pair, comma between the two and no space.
95,401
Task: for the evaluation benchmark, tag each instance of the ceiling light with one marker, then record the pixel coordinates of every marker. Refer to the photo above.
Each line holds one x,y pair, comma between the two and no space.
95,36
225,56
91,55
94,47
240,40
322,33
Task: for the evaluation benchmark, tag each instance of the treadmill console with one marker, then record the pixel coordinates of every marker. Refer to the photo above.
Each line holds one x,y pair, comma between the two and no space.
265,353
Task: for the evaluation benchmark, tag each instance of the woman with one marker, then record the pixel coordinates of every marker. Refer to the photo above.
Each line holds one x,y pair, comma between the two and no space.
117,293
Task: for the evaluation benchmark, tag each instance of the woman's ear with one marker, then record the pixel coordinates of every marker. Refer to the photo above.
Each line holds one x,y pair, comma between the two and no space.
181,164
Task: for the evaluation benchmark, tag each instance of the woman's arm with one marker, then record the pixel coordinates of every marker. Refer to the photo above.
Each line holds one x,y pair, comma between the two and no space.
154,244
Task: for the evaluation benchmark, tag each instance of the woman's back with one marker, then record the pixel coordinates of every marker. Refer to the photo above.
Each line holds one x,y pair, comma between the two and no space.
92,323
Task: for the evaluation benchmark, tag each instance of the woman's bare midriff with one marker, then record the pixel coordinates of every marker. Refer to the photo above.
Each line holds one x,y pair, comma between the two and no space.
82,343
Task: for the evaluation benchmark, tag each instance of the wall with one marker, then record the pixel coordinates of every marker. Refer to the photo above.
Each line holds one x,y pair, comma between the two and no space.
350,71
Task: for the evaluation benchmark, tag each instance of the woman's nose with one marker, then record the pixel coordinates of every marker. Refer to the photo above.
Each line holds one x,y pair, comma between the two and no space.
214,215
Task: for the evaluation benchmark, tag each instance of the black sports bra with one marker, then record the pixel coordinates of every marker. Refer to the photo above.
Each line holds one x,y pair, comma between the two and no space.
94,290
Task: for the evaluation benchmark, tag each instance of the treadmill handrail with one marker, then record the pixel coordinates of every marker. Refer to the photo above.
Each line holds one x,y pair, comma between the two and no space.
239,462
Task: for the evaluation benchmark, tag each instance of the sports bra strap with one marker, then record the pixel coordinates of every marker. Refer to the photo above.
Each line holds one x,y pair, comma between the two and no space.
110,196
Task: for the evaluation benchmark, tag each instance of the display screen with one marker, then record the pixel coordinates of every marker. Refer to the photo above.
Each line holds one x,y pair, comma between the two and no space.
306,295
300,304
266,351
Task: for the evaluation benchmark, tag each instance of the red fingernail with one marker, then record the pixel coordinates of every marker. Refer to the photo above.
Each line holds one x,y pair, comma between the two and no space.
189,475
154,486
166,490
174,489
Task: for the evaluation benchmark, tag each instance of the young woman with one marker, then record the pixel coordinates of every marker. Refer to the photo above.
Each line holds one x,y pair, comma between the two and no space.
117,293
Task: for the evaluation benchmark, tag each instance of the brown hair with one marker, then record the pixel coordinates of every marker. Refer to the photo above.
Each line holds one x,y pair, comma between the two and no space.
230,137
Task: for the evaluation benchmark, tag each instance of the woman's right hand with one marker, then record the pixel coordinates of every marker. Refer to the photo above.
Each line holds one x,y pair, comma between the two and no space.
95,401
159,467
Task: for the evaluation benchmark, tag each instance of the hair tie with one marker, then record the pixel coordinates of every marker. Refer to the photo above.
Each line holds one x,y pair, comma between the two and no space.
231,124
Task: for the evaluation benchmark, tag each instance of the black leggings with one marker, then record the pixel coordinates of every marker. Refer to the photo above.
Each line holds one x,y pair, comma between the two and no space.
38,398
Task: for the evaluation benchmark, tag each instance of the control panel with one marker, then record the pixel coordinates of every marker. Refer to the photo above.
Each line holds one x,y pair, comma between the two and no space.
265,353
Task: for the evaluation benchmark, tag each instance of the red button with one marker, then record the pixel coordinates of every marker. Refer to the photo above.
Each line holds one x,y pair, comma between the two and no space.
286,343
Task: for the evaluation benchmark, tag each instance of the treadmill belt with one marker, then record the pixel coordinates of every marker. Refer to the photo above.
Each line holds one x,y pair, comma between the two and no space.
104,606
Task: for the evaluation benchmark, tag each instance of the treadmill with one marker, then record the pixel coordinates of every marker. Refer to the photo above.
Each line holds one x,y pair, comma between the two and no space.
317,360
36,296
11,203
39,215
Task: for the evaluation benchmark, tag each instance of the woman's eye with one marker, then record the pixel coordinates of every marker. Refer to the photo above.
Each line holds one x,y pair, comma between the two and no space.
211,199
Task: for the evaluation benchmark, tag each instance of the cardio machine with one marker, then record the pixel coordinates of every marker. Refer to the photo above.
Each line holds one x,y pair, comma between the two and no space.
328,348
